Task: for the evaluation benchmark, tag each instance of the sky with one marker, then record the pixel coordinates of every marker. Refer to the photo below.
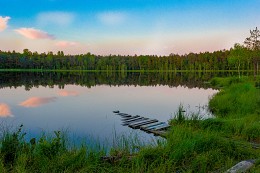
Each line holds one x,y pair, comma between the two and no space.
126,27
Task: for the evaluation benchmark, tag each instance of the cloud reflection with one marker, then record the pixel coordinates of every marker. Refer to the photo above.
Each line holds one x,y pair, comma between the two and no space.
37,101
66,93
5,110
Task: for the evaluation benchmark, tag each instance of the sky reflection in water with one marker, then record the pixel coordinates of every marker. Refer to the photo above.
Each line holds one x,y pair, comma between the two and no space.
88,111
37,101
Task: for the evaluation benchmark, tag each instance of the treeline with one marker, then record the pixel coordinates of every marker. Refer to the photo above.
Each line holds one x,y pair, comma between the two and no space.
218,60
241,57
61,79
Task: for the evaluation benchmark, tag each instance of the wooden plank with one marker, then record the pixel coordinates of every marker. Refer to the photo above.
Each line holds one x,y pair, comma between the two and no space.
137,125
144,120
125,116
135,122
127,123
122,114
153,127
162,127
148,120
116,111
128,118
150,125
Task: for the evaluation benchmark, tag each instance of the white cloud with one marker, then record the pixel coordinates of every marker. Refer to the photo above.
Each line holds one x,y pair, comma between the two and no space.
55,18
112,18
32,33
3,22
64,44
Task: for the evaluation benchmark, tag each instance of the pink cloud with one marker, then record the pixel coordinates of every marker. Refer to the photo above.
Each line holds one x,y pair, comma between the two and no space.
5,110
3,23
37,101
32,33
66,93
65,44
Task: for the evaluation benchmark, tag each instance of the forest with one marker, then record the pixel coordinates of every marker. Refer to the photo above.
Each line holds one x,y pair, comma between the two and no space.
241,57
236,58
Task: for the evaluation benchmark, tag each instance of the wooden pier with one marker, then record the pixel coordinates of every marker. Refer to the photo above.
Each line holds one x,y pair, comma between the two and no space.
145,124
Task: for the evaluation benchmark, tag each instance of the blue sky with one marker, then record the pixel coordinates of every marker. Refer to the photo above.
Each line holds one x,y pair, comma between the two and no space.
126,27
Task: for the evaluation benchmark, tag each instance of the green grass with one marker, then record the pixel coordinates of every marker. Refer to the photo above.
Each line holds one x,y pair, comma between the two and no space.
192,144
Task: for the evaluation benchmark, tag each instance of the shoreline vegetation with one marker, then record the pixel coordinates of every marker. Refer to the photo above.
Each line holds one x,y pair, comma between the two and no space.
123,71
192,144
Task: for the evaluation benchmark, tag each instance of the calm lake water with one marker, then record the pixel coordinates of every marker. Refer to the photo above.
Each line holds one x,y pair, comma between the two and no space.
83,103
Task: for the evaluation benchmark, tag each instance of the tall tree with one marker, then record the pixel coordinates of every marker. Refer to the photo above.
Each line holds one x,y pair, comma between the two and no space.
237,55
253,41
253,44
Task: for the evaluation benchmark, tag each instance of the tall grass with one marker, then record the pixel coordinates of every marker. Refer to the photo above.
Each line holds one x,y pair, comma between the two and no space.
237,107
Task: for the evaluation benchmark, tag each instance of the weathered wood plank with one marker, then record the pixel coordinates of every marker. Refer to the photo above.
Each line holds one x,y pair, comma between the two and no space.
150,125
127,123
125,116
128,118
136,126
154,127
122,114
162,127
138,122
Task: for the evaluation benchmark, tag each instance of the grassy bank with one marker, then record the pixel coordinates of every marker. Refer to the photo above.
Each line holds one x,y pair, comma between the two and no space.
193,145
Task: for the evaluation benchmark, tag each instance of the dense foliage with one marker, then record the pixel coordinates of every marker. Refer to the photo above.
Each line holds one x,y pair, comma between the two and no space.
218,60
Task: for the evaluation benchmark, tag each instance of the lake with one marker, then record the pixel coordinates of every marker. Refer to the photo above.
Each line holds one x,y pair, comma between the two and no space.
83,102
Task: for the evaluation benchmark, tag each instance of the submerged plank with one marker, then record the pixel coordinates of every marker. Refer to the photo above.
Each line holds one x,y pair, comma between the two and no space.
162,127
151,125
126,121
128,118
154,127
122,114
137,120
144,120
125,116
136,126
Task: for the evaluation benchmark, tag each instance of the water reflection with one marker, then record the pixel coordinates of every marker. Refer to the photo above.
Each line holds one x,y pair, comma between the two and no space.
37,101
36,79
93,97
5,110
65,93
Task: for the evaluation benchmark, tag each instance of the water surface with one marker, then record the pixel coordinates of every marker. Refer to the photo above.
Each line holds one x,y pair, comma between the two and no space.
85,108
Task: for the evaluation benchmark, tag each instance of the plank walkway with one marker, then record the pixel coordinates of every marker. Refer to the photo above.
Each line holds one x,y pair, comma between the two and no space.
145,124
